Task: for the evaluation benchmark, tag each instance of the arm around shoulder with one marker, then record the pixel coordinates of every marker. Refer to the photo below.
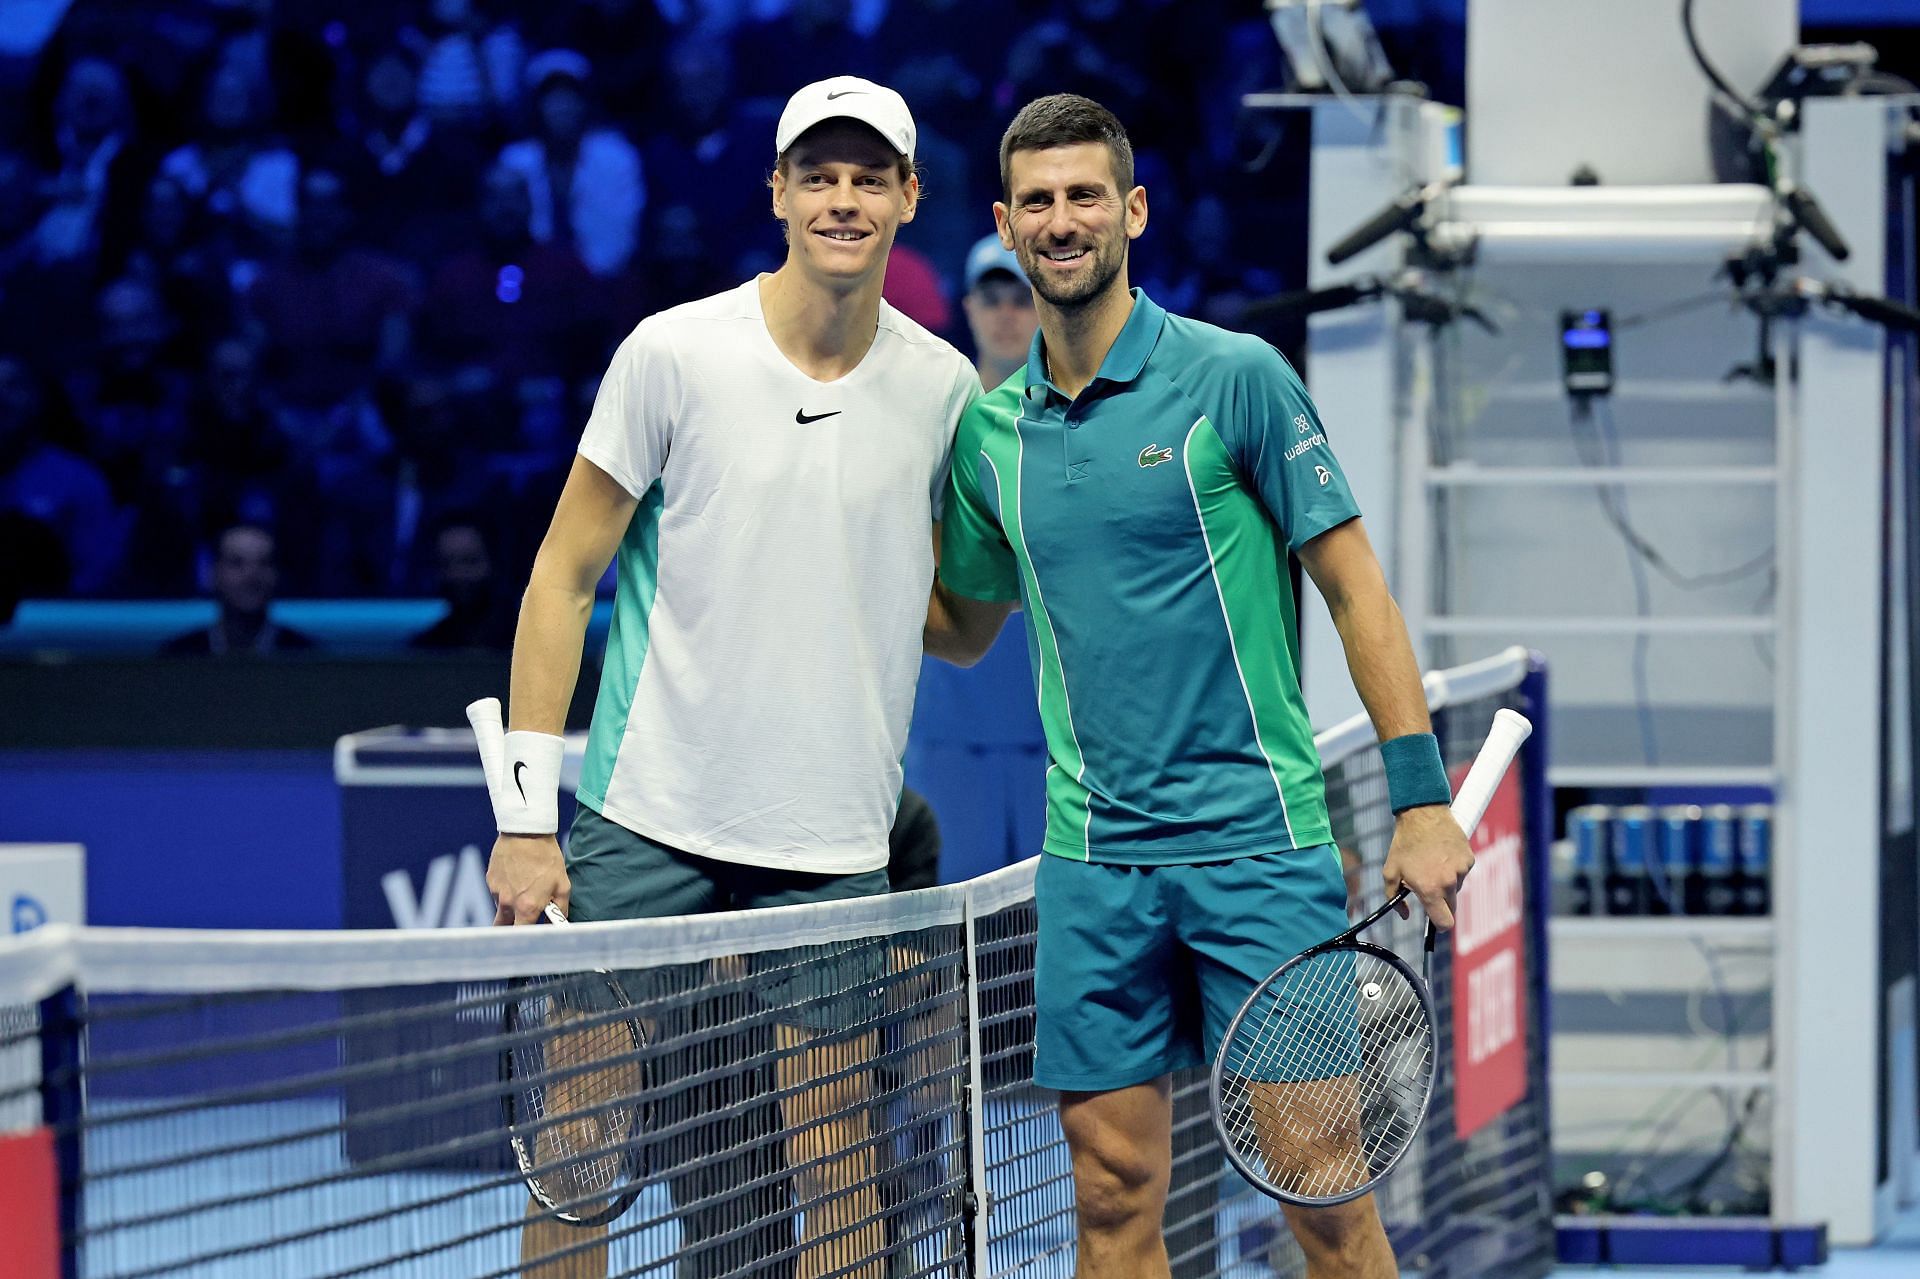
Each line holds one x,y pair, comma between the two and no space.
960,630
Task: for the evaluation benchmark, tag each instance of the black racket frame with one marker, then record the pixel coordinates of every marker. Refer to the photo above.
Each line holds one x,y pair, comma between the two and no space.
513,1088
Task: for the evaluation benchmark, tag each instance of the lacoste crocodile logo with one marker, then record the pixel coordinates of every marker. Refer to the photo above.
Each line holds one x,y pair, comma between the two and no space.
1151,456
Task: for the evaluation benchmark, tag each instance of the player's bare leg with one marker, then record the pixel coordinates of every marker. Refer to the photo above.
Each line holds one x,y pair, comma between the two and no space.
1345,1241
1309,1136
543,1239
1122,1144
826,1102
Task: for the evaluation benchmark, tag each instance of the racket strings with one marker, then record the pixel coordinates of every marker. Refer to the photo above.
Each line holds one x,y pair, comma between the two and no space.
1324,1080
577,1089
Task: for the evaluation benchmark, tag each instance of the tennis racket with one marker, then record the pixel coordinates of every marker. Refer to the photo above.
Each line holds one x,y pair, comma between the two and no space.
1324,1075
575,1092
573,1069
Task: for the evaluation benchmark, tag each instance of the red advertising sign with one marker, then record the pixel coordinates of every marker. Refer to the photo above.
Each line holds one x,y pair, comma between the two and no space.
1489,977
29,1229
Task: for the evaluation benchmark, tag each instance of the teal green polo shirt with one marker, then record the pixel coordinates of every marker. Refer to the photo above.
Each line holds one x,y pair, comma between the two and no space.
1145,526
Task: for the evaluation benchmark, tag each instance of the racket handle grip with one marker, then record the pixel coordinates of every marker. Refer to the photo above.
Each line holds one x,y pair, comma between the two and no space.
1510,729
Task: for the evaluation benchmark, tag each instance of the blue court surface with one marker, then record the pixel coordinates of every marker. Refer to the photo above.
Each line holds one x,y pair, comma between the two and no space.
1896,1255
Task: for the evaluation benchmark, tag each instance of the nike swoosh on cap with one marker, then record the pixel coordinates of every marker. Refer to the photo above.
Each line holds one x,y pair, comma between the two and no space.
841,93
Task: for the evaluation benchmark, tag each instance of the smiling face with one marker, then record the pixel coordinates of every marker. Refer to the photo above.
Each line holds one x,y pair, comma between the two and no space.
1068,222
843,193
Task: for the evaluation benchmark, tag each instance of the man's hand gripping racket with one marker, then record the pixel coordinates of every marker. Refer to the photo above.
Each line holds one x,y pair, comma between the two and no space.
1325,1073
573,1050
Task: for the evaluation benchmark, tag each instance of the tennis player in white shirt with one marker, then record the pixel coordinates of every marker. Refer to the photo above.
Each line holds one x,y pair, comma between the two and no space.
765,465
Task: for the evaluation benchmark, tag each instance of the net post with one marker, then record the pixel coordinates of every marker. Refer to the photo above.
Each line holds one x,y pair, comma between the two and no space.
61,1100
979,1203
1537,818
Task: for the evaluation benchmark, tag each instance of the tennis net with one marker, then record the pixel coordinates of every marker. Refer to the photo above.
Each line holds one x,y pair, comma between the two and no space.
832,1090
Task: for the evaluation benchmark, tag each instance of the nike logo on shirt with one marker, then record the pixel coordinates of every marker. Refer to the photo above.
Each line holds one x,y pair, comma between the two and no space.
803,417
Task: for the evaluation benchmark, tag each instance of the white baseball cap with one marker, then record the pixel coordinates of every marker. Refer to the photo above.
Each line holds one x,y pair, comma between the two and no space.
847,97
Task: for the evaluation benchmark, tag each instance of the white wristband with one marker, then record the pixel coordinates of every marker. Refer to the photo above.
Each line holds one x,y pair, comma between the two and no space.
523,773
526,800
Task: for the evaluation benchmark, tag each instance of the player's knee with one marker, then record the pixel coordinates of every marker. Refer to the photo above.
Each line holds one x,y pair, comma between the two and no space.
1349,1232
1116,1179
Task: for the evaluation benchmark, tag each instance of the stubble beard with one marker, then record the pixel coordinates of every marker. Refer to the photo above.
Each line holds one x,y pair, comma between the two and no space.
1107,261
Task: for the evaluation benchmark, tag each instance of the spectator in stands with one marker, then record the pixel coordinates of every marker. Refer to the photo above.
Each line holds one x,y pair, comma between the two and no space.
235,444
410,167
512,309
175,256
469,69
132,401
332,316
585,179
1214,283
823,37
93,200
708,144
999,307
479,614
45,484
19,212
239,171
286,62
680,263
44,307
914,287
132,404
335,322
244,578
626,37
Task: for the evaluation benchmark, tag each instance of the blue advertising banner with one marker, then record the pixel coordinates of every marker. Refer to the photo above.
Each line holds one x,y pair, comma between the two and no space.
416,830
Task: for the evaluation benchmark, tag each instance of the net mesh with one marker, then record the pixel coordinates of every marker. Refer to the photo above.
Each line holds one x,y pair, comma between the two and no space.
833,1090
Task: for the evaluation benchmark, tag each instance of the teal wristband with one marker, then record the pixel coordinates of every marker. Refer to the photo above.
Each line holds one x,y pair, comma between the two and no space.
1415,775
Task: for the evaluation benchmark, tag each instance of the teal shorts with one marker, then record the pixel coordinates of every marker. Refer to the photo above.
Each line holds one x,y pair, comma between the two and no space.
618,873
1140,968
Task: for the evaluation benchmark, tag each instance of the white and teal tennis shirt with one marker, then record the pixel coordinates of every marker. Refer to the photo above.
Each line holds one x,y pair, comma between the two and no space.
1145,527
772,585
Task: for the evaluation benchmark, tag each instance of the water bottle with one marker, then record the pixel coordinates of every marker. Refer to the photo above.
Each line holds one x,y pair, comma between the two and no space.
1632,848
1756,859
1718,869
1679,827
1587,828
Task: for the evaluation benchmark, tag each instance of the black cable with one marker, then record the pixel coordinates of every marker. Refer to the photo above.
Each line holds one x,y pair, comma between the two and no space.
1610,496
1707,68
1671,309
1637,542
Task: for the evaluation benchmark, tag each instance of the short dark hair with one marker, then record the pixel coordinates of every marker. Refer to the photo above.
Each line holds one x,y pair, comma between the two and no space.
1064,120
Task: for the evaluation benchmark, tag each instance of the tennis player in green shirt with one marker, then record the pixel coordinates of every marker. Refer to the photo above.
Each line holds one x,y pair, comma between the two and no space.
1137,488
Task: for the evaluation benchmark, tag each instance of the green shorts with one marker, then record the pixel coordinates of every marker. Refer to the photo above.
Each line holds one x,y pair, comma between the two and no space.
1140,968
621,874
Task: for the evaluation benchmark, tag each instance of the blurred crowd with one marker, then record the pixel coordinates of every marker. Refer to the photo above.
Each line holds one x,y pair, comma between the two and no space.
342,274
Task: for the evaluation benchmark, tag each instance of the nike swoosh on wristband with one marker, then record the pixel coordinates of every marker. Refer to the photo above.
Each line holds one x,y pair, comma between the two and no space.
803,417
518,765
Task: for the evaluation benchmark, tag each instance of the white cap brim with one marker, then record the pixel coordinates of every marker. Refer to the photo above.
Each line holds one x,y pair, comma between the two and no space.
847,98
